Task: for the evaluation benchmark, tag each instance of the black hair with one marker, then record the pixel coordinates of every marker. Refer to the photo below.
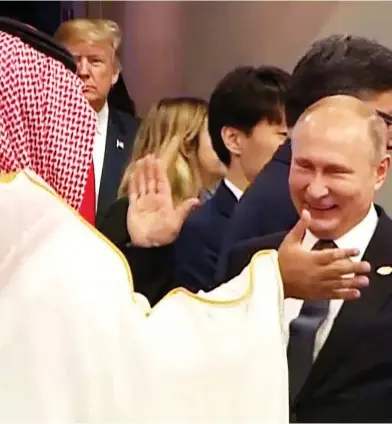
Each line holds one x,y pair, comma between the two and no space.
242,99
338,64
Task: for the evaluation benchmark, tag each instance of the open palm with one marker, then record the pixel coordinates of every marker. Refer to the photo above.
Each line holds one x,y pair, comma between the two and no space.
152,218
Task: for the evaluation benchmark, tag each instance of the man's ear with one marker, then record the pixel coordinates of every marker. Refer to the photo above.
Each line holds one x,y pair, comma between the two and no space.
115,77
232,139
117,70
382,171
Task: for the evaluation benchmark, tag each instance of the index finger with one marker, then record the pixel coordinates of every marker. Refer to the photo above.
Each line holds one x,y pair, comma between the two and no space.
132,192
163,184
327,256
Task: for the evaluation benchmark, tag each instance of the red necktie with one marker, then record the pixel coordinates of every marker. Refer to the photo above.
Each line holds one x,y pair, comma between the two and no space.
87,208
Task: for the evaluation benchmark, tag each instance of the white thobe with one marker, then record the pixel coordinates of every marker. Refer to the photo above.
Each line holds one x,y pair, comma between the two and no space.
78,345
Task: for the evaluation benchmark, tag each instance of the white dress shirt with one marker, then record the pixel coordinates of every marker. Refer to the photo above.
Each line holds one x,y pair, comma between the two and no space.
233,188
99,147
358,237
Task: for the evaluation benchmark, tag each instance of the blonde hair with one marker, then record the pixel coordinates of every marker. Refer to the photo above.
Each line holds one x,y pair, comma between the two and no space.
171,132
90,30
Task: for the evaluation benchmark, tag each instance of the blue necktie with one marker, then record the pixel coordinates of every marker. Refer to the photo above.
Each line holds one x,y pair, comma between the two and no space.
303,330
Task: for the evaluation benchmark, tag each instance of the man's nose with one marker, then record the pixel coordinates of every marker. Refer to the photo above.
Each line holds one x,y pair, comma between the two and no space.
317,188
83,67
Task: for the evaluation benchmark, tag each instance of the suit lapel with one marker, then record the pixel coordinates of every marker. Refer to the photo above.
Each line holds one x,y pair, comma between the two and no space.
115,158
225,200
344,334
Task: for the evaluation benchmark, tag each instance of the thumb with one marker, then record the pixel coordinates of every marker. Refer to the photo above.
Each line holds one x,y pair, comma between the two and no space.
298,231
186,207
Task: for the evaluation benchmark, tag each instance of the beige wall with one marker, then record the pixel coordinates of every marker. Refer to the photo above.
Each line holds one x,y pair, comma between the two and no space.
185,47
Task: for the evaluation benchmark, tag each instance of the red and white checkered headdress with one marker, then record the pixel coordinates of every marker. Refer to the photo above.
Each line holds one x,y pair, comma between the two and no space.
46,124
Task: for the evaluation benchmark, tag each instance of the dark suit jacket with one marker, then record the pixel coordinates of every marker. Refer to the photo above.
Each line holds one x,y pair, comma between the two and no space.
199,243
351,379
119,143
152,268
265,208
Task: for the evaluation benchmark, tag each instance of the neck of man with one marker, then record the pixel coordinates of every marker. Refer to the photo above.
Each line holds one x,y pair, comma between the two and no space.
345,228
236,176
209,181
98,105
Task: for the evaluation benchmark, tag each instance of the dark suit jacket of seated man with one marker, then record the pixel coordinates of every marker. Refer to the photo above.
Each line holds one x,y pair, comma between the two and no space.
265,208
198,245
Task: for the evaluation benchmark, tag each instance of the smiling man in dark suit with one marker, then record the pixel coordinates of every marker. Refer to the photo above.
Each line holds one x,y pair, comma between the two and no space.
94,45
334,65
340,364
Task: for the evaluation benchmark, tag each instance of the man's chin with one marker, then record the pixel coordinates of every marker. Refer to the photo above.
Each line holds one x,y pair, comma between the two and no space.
94,102
323,230
89,96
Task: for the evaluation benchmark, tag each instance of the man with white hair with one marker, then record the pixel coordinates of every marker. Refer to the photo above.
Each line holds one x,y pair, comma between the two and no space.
339,359
94,44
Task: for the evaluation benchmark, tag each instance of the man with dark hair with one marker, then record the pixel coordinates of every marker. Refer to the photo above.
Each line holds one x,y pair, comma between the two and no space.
247,124
334,65
246,119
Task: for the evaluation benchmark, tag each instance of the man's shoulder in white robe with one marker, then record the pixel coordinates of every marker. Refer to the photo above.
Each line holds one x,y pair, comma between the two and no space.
78,345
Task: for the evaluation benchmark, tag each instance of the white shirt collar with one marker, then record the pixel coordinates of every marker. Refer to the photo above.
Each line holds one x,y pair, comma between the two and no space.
100,146
234,189
358,237
103,116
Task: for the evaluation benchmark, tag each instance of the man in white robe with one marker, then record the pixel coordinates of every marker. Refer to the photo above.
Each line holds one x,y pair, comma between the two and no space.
78,345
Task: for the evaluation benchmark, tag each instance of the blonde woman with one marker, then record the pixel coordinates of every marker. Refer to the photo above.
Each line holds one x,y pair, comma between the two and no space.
175,130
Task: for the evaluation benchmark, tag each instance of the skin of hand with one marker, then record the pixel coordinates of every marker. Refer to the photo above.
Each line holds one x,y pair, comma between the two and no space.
152,218
326,274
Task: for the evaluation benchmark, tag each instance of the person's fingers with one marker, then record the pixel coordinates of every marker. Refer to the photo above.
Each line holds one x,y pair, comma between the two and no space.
346,294
346,267
327,256
151,175
297,233
141,186
341,286
132,193
163,183
185,208
355,282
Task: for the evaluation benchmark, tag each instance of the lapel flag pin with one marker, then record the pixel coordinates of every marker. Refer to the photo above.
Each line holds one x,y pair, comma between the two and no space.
119,145
384,270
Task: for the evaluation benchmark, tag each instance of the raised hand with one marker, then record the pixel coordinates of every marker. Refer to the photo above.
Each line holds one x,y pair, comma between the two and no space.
152,218
326,274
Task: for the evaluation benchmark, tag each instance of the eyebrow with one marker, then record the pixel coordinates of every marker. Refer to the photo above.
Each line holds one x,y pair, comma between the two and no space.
386,117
